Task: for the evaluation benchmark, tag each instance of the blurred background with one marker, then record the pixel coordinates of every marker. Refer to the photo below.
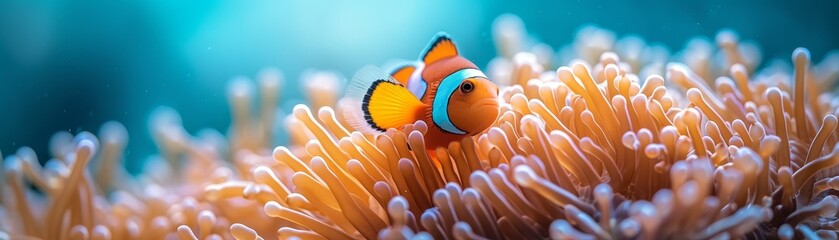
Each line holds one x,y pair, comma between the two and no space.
73,65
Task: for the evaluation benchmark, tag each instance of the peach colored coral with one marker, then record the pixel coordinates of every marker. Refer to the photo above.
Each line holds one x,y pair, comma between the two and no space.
617,143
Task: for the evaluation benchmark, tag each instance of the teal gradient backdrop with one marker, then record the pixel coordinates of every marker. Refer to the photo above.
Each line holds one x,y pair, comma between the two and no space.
73,65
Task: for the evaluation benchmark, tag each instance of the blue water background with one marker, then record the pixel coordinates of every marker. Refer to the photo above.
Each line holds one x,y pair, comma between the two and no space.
73,65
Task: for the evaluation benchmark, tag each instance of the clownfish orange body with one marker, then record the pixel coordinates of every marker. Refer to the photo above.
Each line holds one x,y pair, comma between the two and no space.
443,89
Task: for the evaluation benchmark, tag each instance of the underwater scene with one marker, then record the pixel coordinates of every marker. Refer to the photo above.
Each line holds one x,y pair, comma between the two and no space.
419,119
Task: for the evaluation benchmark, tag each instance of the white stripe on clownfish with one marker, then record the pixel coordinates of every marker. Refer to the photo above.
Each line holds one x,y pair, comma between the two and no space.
416,84
440,106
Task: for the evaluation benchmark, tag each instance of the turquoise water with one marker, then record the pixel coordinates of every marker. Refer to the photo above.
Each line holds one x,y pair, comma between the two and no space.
73,65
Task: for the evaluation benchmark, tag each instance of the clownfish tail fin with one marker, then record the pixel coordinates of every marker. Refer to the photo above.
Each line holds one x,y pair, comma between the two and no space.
375,102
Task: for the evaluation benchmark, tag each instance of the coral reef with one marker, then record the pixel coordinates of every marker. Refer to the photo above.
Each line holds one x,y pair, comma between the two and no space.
617,143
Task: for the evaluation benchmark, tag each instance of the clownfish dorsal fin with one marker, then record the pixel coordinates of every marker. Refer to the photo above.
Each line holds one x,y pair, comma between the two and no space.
441,47
375,102
403,73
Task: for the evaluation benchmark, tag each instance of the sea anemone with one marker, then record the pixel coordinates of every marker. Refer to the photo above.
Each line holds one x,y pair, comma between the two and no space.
616,143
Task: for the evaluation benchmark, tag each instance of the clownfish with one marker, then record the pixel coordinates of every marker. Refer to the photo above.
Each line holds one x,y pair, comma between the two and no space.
443,89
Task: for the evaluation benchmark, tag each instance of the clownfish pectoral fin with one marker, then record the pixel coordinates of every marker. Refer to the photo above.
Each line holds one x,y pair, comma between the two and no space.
441,47
376,102
403,73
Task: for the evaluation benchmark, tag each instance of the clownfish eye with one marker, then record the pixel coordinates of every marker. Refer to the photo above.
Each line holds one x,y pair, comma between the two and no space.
467,87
